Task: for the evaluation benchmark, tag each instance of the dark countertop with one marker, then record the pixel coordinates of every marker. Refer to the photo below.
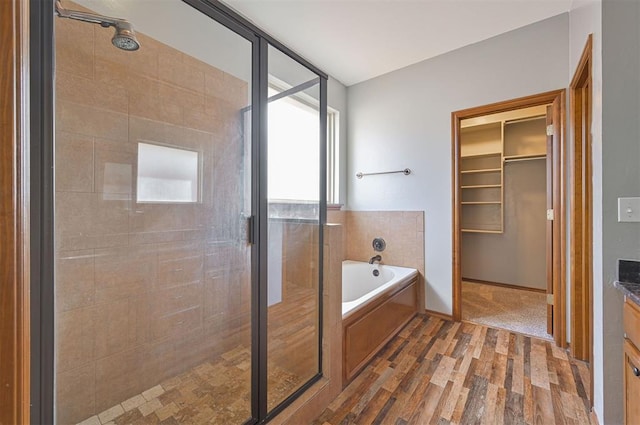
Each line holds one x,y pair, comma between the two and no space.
630,290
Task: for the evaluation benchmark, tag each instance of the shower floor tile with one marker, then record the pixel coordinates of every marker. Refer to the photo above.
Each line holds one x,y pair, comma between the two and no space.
505,308
212,392
219,391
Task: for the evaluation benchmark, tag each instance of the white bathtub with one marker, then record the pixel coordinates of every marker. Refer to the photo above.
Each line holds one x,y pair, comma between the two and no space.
360,286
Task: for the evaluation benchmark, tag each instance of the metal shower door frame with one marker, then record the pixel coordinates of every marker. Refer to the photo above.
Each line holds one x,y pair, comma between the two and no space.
42,128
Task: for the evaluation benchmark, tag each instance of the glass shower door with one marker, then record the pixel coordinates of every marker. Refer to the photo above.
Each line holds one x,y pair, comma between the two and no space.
153,281
294,258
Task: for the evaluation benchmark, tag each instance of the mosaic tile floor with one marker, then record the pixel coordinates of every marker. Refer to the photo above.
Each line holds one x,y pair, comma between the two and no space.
505,308
213,392
219,391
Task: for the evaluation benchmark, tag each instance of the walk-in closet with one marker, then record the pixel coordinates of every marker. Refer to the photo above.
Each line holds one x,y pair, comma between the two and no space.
505,187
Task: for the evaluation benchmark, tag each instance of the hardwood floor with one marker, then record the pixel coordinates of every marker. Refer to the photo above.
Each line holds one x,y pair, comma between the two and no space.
443,372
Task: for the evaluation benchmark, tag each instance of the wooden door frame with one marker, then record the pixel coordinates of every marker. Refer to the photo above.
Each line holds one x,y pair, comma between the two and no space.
14,207
581,272
559,231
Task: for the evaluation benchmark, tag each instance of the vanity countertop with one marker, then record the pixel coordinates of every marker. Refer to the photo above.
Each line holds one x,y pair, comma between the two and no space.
630,290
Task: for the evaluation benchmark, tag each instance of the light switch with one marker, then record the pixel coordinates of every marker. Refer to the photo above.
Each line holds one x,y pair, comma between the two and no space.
629,209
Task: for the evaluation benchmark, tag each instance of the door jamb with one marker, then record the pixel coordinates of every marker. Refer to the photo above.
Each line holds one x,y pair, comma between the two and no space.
559,263
14,213
581,280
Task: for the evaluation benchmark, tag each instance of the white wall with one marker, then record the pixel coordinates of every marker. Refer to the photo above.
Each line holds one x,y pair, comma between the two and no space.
403,119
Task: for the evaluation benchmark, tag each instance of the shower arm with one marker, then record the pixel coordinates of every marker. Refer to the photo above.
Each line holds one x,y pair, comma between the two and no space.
104,21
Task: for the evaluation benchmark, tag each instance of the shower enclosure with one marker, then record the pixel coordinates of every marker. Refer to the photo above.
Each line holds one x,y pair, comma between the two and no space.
180,234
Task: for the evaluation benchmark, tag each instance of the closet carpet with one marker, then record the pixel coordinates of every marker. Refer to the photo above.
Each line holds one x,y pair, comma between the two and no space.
505,308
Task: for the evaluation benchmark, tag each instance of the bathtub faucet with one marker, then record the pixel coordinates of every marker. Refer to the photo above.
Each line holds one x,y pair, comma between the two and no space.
377,258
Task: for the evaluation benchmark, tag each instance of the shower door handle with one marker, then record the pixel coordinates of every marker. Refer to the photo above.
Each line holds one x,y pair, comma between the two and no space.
249,226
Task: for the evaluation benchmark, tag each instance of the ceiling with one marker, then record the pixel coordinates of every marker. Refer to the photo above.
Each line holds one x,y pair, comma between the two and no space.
355,40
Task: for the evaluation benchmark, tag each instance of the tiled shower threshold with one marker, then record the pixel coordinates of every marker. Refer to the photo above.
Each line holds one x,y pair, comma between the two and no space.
212,392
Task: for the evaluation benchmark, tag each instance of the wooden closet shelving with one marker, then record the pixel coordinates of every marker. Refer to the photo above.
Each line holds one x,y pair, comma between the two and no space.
480,186
480,231
486,170
524,157
481,202
486,147
481,167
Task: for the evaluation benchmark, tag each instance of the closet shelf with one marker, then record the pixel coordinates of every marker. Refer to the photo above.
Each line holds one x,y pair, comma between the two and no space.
480,231
528,157
483,170
486,150
481,202
481,186
481,155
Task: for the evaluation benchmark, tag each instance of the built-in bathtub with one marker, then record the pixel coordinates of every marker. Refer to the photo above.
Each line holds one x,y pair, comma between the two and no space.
374,310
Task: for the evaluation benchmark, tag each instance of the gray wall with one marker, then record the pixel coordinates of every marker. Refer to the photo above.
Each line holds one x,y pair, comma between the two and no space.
517,256
620,176
403,119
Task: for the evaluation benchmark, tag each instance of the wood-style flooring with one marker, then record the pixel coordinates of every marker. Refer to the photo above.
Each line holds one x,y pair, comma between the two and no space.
443,372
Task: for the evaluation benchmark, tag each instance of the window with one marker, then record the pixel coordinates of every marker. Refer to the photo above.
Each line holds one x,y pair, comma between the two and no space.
167,174
333,157
293,149
294,156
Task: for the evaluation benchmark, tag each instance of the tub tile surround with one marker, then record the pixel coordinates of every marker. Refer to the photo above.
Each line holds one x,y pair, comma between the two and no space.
403,231
137,282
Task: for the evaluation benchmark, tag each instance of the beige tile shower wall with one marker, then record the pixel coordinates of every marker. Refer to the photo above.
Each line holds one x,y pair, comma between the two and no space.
143,291
403,232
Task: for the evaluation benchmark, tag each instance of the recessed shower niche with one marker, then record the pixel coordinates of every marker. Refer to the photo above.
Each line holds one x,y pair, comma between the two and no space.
166,240
167,174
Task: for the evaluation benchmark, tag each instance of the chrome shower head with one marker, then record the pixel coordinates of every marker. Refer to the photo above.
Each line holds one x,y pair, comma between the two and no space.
124,38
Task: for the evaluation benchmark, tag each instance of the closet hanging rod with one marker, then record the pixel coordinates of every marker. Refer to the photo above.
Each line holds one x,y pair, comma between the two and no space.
406,172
